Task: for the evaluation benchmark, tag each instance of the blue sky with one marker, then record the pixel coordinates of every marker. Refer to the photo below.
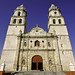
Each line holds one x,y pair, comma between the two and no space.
37,11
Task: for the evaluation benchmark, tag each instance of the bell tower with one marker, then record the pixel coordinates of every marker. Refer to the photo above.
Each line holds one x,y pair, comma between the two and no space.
55,19
57,26
18,23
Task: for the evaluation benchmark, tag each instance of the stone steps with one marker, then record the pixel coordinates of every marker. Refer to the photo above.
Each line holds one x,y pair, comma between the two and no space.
38,73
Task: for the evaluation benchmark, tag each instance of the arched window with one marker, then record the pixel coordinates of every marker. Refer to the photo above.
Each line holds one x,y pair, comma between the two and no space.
59,21
14,21
37,43
20,20
53,21
18,13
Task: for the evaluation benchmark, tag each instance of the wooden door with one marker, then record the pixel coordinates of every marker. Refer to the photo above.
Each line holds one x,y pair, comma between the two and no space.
37,63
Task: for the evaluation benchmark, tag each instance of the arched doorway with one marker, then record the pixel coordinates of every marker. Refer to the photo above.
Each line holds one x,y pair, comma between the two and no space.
37,63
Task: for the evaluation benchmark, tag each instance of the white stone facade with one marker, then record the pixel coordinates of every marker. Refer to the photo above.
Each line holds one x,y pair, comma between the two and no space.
21,46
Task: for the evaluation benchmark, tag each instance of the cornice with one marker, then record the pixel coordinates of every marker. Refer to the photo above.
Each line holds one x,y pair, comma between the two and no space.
57,24
55,16
16,24
37,49
18,16
39,36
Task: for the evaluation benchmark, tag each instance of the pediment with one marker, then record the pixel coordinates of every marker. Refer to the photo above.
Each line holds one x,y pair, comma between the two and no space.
37,31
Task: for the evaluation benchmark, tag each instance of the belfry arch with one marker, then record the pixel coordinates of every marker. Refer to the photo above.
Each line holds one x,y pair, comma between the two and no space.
37,63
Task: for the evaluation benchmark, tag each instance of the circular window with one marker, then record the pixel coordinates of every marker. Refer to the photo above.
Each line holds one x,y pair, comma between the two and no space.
55,12
31,41
43,41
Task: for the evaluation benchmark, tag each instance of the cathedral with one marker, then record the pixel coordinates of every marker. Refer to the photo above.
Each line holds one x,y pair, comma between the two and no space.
37,49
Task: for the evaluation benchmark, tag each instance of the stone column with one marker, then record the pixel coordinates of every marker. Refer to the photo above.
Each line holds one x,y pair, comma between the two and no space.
59,65
16,63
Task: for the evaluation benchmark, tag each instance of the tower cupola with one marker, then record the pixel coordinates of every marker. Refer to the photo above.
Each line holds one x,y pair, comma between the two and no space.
19,16
20,11
54,11
54,17
18,20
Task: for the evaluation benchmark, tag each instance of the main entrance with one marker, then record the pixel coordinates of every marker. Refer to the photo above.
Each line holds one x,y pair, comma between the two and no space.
37,63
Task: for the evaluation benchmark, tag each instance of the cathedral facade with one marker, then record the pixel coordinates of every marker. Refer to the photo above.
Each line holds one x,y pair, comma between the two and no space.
37,49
